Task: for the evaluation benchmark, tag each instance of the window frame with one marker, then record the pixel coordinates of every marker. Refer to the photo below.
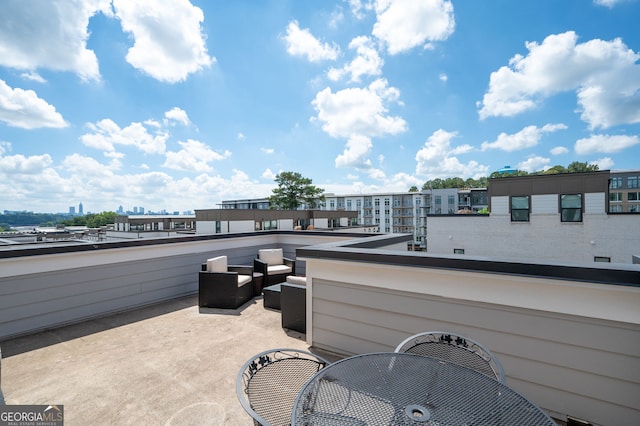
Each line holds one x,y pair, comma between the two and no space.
615,182
527,210
564,210
615,197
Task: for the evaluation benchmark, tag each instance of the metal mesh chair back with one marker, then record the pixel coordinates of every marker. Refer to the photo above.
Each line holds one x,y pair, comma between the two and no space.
456,349
268,384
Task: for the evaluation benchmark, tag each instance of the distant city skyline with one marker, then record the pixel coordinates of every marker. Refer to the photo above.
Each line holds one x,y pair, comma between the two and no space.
182,104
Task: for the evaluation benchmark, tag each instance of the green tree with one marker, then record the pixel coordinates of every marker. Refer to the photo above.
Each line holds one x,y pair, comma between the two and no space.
578,167
92,220
413,189
294,190
555,170
507,174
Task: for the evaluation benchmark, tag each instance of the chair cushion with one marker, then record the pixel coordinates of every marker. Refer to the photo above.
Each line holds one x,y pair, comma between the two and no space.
244,279
271,256
217,264
295,279
278,269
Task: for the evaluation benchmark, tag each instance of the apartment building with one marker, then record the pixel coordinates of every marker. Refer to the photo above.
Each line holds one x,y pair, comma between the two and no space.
565,217
231,220
624,192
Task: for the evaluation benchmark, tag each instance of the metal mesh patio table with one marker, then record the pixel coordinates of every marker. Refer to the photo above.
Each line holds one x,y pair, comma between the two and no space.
408,389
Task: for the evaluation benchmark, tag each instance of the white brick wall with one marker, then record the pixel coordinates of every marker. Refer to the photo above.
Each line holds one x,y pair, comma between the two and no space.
544,238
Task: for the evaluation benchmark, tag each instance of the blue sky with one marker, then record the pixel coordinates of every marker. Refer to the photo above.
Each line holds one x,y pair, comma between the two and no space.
178,105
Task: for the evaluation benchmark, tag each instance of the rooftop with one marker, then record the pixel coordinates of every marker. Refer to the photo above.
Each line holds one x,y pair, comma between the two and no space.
169,363
112,330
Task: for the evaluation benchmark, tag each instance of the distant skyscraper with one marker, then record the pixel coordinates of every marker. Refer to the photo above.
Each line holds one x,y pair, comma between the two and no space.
72,210
80,209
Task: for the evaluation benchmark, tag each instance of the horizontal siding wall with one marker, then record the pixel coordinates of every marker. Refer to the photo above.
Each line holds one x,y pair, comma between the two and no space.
40,292
595,203
111,281
500,205
569,364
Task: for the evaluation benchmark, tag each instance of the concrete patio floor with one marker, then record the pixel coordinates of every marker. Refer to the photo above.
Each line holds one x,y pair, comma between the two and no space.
168,364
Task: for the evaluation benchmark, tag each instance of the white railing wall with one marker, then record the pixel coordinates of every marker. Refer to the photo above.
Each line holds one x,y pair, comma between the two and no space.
42,289
572,347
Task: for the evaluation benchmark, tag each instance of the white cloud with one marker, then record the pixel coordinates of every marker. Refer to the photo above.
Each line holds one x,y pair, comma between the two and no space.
436,159
153,123
300,42
605,144
34,181
240,136
24,109
33,76
358,111
356,153
405,181
267,150
169,44
268,174
376,174
51,35
336,18
107,134
604,163
559,150
359,7
13,165
4,147
176,115
608,3
604,74
534,163
89,167
443,77
194,156
405,24
366,62
525,138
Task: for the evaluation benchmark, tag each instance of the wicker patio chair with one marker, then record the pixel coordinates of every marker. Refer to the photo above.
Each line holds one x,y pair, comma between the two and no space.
454,348
268,384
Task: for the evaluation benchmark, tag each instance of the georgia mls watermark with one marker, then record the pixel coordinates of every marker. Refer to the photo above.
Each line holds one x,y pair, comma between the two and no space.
31,415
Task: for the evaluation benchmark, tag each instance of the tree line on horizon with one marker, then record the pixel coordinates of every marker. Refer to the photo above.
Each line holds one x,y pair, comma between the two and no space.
91,220
483,182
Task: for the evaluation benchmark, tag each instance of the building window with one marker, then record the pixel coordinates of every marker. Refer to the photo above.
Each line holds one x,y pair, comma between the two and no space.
615,196
520,209
458,251
571,208
602,259
617,208
632,182
615,183
633,196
